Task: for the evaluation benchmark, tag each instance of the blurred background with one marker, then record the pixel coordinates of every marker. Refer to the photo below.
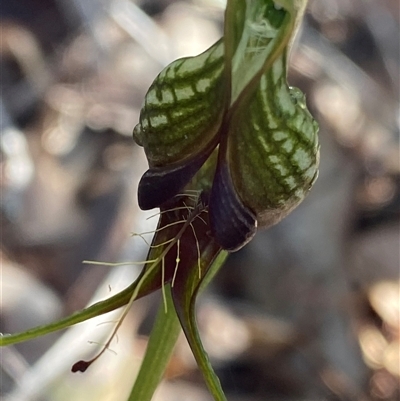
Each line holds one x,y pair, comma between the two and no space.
309,310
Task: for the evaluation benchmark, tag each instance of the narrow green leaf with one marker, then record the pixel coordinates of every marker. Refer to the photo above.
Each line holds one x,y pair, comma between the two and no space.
159,350
97,309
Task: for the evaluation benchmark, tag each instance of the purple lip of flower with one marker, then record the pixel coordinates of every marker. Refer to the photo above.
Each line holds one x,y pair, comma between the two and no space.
160,184
232,224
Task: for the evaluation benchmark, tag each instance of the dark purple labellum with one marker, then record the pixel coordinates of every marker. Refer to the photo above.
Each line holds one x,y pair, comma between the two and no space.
160,184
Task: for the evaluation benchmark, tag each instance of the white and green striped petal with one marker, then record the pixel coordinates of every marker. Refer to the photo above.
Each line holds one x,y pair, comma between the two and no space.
273,148
183,108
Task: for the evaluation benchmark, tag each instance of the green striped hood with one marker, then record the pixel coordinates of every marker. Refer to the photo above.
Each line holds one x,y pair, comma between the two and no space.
226,123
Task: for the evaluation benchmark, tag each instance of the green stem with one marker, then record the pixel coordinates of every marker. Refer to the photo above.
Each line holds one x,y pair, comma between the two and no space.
159,349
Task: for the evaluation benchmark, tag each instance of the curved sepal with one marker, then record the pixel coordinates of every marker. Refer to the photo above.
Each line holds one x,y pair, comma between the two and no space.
254,41
273,150
185,289
183,109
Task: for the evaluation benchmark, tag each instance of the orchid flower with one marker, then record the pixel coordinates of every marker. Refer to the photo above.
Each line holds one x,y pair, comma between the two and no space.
231,148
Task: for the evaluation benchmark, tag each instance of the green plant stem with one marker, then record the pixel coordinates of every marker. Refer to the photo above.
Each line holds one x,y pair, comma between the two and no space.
159,350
